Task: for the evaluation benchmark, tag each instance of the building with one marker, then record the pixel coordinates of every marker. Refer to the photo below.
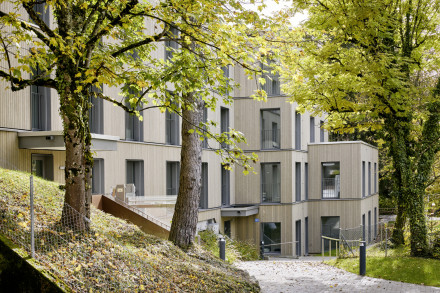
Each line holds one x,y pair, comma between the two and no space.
306,186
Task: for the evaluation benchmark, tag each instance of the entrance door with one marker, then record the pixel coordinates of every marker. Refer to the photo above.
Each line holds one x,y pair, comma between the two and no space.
298,237
42,166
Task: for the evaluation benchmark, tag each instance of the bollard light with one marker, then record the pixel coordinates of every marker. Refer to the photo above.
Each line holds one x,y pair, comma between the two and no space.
362,258
222,248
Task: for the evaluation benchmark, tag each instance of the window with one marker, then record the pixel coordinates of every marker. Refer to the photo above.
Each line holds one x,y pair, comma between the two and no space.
369,226
42,11
96,112
321,131
42,166
298,237
227,228
363,227
297,131
134,127
306,179
40,106
272,85
98,176
306,228
225,70
271,236
171,45
172,128
225,186
205,119
173,173
224,123
297,181
375,222
363,179
135,175
312,129
375,178
270,182
329,228
369,178
270,129
331,180
203,203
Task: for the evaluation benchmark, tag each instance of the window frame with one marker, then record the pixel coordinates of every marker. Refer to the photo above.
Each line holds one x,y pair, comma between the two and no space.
278,183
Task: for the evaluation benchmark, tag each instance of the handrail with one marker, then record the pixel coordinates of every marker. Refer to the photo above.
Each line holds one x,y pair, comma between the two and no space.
141,213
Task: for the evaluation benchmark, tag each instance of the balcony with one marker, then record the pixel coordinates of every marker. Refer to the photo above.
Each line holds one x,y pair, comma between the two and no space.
270,139
331,187
271,192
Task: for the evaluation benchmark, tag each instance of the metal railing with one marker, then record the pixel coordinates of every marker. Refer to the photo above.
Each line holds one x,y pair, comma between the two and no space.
270,139
330,187
293,243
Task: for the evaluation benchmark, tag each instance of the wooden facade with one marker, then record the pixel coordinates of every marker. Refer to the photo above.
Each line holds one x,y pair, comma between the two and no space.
291,150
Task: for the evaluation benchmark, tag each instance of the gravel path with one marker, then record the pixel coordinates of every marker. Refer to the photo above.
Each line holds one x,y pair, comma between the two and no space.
285,275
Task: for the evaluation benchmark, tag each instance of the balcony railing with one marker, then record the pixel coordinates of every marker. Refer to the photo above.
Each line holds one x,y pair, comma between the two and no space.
331,187
271,192
270,139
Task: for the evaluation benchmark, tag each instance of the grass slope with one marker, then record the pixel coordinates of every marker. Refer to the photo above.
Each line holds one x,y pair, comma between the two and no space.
398,266
115,255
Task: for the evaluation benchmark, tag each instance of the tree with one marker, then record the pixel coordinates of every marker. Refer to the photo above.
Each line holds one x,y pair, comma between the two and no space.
362,59
112,43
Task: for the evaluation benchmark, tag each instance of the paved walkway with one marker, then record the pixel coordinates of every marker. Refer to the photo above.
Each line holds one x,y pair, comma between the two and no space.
311,275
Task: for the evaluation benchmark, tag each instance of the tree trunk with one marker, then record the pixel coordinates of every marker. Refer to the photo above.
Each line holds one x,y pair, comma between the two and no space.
77,139
184,224
417,224
399,226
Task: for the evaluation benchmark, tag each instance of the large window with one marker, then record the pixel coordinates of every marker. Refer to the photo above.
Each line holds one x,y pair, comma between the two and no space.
297,130
224,123
226,187
312,129
173,173
272,85
203,204
205,119
306,179
171,45
40,106
271,236
172,126
369,226
43,12
375,178
363,179
298,237
270,182
369,178
298,181
270,129
331,180
98,176
134,127
96,112
135,175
